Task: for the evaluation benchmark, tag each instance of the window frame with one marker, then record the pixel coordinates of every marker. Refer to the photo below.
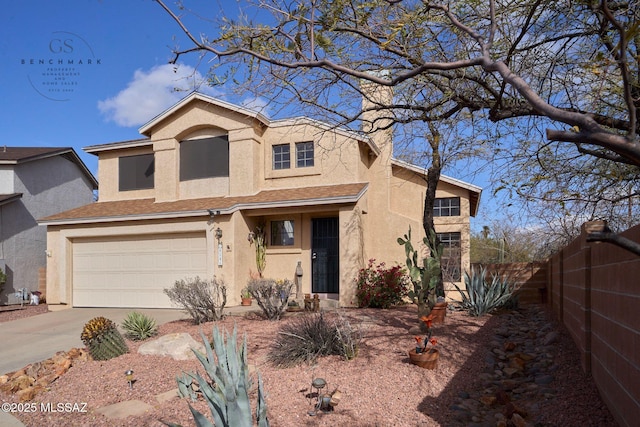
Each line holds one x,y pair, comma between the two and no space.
452,247
279,236
279,162
303,160
133,172
446,206
209,158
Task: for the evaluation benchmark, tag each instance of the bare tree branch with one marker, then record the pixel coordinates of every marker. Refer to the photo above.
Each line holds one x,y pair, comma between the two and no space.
615,239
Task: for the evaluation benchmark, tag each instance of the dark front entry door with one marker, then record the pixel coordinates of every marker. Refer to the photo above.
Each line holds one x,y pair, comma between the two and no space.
324,255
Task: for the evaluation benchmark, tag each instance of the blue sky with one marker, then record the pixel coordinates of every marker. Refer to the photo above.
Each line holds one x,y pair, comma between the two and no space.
52,96
48,101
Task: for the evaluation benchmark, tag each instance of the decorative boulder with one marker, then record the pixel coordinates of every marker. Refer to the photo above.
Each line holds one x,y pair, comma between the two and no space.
177,345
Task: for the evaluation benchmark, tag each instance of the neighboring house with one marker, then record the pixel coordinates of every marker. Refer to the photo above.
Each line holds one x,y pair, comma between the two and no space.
35,182
182,201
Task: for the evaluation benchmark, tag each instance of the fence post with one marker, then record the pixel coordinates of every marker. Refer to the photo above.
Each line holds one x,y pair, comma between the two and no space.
587,262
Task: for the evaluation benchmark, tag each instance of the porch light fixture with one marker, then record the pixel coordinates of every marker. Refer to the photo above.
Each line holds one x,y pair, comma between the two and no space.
251,237
129,375
218,233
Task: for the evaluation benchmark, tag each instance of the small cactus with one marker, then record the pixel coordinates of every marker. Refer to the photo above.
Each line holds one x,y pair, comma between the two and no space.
102,339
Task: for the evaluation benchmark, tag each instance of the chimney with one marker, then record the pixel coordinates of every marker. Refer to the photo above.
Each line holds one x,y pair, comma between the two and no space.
377,119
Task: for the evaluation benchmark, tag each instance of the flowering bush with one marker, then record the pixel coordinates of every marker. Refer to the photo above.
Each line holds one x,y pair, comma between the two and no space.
428,339
380,287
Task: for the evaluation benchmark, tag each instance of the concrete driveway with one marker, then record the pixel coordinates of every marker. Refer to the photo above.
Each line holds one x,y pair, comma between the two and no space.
37,338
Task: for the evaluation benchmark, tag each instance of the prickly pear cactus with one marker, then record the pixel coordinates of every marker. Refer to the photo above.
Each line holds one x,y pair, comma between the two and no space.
424,278
102,339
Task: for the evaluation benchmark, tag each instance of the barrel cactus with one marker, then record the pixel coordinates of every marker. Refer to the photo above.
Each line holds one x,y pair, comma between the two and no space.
102,339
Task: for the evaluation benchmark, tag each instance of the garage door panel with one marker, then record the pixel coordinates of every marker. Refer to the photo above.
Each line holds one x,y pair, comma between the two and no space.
133,271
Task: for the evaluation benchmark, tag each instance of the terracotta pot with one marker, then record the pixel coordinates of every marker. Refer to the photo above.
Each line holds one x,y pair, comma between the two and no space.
439,312
427,360
246,301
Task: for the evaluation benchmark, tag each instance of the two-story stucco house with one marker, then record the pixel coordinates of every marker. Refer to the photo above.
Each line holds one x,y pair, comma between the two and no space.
35,182
182,201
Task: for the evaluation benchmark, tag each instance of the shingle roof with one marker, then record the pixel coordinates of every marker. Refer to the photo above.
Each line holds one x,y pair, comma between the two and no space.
24,154
18,155
8,198
148,208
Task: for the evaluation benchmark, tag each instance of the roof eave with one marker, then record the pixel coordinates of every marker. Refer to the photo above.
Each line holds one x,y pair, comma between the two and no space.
11,199
145,129
205,212
134,143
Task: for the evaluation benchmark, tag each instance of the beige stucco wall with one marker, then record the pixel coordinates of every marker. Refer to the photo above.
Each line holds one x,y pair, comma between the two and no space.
108,175
335,157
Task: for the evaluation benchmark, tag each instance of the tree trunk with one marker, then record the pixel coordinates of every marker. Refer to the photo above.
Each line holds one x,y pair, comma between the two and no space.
433,177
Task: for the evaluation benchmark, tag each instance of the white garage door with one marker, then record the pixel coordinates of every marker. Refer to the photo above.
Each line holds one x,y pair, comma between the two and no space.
132,271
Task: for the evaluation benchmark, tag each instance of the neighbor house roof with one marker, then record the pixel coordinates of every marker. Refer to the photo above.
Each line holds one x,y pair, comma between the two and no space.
128,210
5,199
19,155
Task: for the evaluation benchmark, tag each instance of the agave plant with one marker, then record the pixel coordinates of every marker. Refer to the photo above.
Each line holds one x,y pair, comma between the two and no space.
138,326
482,296
228,386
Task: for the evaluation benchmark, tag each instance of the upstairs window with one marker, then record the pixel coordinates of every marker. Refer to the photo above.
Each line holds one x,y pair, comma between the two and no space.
281,157
449,206
304,154
204,158
136,172
282,233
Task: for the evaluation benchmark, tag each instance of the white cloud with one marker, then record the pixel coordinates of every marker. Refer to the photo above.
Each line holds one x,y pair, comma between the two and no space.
151,92
256,104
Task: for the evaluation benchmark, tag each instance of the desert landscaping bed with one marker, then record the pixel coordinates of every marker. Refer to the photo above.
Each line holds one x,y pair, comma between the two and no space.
379,388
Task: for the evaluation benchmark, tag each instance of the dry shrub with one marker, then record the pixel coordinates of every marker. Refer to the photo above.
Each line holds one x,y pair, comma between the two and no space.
203,300
309,336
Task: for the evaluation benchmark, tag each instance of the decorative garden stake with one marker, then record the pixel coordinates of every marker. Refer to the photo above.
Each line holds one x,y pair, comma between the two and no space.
318,384
129,375
326,401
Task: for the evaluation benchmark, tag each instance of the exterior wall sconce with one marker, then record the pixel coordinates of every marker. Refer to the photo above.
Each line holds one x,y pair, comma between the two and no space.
251,237
218,233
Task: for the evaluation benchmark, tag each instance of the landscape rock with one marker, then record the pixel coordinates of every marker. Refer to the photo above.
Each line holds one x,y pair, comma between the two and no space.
33,378
550,338
124,409
177,345
514,380
518,421
167,395
28,393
